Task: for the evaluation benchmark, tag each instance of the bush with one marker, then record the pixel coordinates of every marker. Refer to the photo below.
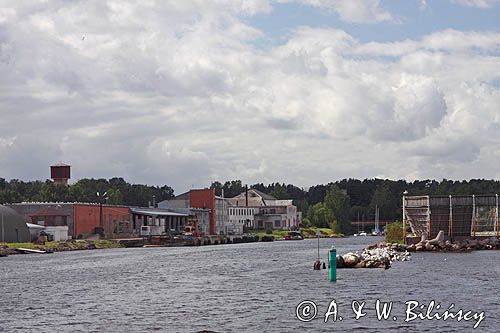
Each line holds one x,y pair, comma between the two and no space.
269,232
395,233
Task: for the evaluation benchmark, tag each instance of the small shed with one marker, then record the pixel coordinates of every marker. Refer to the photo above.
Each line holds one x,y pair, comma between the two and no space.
12,226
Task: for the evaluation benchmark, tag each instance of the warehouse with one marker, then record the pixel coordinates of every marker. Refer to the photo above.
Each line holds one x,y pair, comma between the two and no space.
12,226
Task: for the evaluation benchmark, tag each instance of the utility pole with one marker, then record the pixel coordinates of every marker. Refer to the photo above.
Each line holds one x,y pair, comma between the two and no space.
101,198
3,232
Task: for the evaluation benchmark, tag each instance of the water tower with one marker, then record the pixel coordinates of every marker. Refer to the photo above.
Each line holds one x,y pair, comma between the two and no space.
60,173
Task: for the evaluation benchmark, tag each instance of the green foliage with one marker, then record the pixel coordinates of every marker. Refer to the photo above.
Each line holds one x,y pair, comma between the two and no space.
119,192
394,233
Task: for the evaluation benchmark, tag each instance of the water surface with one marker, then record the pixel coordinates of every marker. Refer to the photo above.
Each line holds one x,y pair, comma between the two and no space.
236,288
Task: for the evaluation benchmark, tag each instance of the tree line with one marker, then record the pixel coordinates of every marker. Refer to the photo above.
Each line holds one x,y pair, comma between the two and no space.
118,192
338,203
333,205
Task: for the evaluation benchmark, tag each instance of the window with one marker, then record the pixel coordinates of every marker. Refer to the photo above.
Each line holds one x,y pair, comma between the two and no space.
277,223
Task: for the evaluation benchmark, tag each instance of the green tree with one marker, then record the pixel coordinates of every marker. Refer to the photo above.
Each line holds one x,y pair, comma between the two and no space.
338,203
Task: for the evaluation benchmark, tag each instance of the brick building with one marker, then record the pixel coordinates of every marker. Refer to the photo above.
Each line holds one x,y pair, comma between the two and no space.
82,219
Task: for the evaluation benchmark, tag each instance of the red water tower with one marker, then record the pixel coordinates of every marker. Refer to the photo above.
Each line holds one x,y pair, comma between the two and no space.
60,173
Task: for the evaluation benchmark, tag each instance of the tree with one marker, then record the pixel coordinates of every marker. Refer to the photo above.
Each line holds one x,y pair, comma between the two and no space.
279,192
338,203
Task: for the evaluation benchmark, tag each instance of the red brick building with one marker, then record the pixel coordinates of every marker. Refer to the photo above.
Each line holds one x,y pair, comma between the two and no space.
115,219
81,219
196,199
205,199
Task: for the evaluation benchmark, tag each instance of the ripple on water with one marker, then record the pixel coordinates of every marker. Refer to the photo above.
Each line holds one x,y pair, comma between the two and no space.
245,287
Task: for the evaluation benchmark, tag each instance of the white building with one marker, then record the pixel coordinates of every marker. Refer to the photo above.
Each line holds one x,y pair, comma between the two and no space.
257,210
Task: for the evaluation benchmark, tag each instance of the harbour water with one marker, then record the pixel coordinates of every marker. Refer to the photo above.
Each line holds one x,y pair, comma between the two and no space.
252,287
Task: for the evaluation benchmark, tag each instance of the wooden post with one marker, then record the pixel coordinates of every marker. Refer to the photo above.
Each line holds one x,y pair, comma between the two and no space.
496,216
473,222
404,221
429,225
450,227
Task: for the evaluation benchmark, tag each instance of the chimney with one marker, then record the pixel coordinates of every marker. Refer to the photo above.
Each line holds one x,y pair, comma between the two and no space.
246,195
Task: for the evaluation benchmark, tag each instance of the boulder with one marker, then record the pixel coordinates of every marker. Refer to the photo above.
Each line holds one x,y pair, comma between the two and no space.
360,264
438,239
340,262
350,259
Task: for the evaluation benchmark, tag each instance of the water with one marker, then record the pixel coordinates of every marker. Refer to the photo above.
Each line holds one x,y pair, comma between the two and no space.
236,288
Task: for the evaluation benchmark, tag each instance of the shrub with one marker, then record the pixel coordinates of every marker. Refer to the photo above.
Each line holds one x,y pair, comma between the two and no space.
394,233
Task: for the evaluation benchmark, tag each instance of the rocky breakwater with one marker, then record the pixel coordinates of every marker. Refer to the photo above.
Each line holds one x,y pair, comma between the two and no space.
380,255
438,244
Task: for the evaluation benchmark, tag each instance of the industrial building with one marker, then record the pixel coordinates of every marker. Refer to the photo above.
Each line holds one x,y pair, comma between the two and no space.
201,203
80,219
460,217
13,228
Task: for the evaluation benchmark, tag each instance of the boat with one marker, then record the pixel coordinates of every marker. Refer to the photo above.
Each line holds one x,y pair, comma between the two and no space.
362,233
293,235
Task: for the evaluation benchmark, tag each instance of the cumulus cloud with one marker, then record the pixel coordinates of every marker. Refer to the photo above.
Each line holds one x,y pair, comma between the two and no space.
354,11
177,93
477,3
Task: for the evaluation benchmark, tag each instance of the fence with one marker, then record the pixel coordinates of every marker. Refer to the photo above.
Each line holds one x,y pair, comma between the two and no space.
458,216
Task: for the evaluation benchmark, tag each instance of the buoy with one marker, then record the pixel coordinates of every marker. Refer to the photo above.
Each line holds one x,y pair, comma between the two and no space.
332,256
324,265
317,265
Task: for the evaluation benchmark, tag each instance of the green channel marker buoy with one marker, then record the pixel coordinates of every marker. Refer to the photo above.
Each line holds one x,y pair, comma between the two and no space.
333,264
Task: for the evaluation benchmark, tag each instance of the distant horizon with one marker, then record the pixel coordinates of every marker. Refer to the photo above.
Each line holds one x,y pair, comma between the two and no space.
306,188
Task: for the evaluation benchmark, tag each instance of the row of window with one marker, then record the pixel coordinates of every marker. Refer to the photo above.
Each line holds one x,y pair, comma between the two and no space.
240,211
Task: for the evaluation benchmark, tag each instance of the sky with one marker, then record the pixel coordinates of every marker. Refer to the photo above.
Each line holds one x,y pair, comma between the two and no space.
184,93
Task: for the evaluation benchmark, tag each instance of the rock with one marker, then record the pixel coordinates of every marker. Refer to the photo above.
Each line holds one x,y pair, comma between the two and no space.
419,247
438,239
360,264
340,262
411,248
429,247
350,259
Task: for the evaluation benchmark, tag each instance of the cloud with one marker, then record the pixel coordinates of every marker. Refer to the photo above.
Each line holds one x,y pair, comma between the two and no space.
477,3
177,93
354,11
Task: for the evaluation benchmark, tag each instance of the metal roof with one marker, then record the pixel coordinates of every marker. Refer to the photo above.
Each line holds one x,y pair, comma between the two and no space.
155,212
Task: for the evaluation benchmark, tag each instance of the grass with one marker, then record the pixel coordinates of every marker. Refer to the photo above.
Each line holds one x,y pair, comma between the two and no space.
277,234
325,232
30,245
307,232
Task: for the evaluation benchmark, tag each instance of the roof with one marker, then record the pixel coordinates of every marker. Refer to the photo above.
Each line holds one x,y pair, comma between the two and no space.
155,212
34,226
14,227
60,164
264,196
